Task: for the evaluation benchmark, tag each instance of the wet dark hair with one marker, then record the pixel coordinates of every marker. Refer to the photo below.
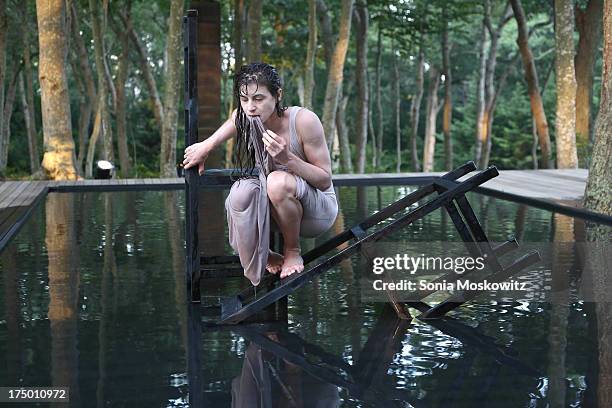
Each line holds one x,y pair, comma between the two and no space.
258,73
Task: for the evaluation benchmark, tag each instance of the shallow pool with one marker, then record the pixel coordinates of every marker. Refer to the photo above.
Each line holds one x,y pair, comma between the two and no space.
93,297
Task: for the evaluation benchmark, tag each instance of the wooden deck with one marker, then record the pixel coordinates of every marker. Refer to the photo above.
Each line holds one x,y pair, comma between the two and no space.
17,200
555,190
557,185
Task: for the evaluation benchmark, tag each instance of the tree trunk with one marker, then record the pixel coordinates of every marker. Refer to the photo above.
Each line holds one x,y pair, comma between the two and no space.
254,30
171,96
490,84
565,124
396,94
26,88
448,102
106,133
7,113
326,31
489,114
597,194
85,108
534,145
487,143
107,74
120,113
28,118
311,54
89,85
237,35
379,110
361,72
3,49
334,80
372,137
491,91
588,24
158,110
58,160
597,198
415,110
346,162
531,76
93,140
430,126
480,91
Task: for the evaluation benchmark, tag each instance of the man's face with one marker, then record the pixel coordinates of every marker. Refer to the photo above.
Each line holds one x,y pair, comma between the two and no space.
257,101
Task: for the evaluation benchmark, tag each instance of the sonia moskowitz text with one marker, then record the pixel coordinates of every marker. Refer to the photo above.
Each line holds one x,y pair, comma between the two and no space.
463,284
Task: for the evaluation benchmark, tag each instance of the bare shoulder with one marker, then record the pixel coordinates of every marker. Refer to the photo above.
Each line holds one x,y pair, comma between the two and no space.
308,126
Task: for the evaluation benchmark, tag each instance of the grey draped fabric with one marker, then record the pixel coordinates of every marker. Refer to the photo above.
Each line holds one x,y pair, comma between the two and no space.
249,228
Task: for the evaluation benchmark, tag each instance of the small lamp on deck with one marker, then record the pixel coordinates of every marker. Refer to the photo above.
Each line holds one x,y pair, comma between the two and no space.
104,169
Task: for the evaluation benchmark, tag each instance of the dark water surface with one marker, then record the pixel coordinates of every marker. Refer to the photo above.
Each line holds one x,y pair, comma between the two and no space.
92,296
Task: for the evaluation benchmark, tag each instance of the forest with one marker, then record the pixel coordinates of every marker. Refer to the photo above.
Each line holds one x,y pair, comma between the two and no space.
400,86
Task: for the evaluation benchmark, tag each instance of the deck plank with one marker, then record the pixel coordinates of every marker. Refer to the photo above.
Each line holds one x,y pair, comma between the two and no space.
8,199
4,185
26,195
537,187
8,192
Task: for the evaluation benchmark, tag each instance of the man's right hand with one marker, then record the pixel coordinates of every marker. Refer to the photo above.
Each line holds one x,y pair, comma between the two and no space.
196,154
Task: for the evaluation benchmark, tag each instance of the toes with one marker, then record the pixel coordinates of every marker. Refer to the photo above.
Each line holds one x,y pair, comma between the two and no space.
274,269
290,270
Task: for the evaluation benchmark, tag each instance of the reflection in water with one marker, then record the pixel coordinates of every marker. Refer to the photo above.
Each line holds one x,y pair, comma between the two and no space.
519,222
63,291
348,275
598,258
176,237
109,275
13,316
563,249
282,369
269,381
118,257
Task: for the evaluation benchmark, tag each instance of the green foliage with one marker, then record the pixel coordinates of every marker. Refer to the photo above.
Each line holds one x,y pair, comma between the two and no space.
406,26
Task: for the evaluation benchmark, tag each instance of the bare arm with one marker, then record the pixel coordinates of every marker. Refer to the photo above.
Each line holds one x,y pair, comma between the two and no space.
225,132
316,170
196,154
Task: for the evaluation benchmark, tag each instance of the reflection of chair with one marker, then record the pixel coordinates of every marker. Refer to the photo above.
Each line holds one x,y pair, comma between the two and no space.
447,192
363,380
367,379
267,381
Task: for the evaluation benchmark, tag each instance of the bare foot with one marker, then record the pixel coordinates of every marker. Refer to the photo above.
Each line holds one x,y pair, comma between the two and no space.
275,262
293,263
